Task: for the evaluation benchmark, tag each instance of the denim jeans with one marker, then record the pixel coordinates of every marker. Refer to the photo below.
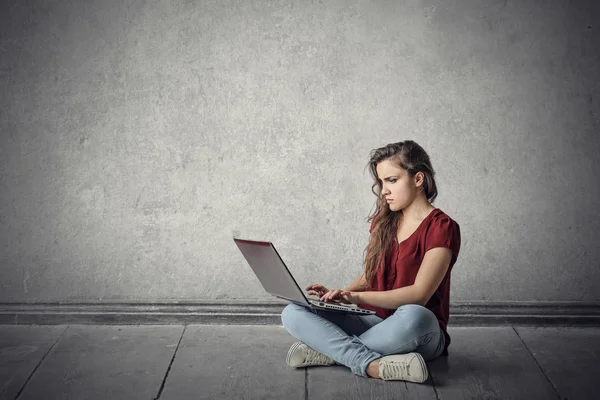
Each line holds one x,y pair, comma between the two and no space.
355,340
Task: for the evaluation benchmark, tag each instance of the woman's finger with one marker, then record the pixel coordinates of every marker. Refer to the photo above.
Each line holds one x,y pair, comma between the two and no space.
345,298
326,295
333,294
318,288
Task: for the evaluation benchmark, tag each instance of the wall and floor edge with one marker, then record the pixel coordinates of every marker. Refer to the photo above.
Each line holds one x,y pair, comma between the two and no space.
239,312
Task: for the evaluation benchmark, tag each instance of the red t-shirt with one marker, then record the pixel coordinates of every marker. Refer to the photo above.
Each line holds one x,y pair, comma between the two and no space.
403,260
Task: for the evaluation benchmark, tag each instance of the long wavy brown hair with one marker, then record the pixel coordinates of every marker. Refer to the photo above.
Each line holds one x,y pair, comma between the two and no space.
413,158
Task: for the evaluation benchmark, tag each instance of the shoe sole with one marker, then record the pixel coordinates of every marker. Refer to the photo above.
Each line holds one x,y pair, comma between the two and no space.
424,366
291,351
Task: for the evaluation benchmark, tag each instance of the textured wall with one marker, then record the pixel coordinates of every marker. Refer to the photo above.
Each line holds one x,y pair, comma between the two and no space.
139,137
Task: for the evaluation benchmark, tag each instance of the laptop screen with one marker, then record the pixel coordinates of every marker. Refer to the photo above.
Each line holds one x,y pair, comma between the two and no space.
270,270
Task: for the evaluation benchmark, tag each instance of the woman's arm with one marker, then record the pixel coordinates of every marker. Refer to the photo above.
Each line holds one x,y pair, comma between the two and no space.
431,273
359,285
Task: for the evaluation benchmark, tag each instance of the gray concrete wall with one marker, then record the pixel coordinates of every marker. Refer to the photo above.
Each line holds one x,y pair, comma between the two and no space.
139,137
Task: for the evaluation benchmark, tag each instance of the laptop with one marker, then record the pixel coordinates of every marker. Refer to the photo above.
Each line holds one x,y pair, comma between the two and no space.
277,280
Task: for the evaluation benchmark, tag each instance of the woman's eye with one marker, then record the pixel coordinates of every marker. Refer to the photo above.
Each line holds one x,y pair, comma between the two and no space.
392,180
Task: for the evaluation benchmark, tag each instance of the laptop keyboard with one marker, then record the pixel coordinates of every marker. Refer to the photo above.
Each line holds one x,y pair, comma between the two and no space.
317,301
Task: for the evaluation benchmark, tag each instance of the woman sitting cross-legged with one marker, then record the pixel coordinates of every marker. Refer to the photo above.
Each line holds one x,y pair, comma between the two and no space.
406,281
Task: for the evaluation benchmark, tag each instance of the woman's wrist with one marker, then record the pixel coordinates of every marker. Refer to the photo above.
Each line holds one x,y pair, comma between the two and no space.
359,297
354,288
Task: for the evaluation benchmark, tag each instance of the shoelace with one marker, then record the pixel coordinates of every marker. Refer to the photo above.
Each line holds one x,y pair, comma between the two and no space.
314,357
394,369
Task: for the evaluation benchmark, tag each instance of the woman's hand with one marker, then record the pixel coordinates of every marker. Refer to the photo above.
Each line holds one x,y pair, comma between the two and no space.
339,296
336,296
343,296
317,290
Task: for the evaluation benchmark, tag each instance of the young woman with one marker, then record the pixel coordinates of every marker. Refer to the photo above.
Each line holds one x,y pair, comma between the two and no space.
406,281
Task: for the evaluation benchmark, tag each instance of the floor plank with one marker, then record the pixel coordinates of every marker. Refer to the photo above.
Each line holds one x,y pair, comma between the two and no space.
569,356
234,362
339,382
22,347
488,363
248,362
105,362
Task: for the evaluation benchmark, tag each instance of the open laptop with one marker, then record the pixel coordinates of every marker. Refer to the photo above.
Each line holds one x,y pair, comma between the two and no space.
277,280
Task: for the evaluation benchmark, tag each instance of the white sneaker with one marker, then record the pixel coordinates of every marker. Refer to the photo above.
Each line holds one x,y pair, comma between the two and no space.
406,367
300,355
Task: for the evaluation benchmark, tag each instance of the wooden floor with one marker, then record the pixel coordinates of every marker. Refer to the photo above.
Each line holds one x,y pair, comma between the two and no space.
248,362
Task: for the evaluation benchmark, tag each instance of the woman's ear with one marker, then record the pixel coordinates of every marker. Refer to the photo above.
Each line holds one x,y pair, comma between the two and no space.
419,177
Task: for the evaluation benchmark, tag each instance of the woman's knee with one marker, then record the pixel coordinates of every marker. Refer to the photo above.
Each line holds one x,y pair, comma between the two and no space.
290,314
417,318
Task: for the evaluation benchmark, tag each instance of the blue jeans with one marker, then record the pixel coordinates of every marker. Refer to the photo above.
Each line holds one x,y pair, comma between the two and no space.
355,340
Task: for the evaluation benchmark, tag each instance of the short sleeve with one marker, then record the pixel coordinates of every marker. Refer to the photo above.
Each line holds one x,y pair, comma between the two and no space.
444,232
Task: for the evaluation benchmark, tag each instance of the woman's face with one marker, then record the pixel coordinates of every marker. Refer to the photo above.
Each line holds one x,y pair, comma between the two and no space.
396,185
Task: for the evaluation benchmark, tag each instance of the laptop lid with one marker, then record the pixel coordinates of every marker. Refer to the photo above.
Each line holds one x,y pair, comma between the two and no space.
270,270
